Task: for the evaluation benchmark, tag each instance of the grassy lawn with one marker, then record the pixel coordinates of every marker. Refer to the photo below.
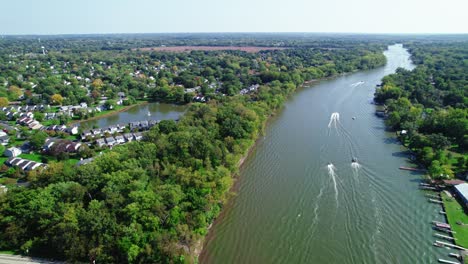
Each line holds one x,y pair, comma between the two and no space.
8,181
7,252
49,122
72,161
18,142
2,160
71,137
455,213
34,157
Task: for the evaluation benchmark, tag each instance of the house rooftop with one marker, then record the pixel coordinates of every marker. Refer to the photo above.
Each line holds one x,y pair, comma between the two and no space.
463,190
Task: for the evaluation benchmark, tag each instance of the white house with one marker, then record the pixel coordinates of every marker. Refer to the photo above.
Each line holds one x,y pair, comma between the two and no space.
72,130
12,152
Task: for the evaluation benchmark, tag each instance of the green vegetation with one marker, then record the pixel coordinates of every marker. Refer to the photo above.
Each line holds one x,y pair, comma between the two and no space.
7,252
455,215
152,201
430,103
34,157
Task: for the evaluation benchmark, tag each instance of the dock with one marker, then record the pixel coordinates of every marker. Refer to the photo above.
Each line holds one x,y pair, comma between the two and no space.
448,261
411,169
451,245
443,236
435,201
429,188
444,230
441,225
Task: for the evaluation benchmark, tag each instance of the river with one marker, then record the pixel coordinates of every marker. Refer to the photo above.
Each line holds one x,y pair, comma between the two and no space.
290,207
158,111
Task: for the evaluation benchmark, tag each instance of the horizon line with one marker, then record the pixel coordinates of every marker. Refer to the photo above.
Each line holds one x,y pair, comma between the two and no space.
241,32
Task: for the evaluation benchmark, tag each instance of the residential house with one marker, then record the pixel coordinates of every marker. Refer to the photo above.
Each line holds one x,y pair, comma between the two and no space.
144,125
138,136
12,152
96,132
111,141
100,142
23,164
4,140
49,142
85,134
119,139
72,130
128,137
134,125
73,147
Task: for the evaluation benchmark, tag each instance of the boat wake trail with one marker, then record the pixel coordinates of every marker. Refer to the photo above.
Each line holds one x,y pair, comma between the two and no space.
356,166
334,118
332,174
357,84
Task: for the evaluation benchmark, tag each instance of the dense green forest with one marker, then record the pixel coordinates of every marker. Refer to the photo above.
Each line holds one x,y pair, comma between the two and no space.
152,201
430,103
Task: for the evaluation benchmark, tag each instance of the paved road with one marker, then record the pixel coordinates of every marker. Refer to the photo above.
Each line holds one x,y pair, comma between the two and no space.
16,259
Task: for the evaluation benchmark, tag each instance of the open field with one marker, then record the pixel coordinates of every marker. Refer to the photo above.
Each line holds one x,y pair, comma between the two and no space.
250,49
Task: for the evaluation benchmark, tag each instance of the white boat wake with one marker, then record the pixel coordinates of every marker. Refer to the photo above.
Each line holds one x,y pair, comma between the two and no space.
331,172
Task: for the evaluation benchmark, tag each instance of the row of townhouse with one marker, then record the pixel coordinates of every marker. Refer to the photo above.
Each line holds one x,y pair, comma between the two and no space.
23,164
29,122
61,145
25,108
73,130
11,114
120,139
100,132
142,125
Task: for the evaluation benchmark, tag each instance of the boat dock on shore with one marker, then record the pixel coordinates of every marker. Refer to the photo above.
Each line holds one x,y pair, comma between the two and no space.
446,237
448,261
451,245
435,201
411,169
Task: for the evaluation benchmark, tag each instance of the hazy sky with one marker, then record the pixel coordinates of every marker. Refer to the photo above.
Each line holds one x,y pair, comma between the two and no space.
152,16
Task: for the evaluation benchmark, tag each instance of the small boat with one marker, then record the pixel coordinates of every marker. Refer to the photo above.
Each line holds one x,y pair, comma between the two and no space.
442,225
354,118
149,114
354,159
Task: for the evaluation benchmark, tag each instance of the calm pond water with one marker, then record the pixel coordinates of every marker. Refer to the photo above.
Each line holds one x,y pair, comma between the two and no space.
138,113
291,207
